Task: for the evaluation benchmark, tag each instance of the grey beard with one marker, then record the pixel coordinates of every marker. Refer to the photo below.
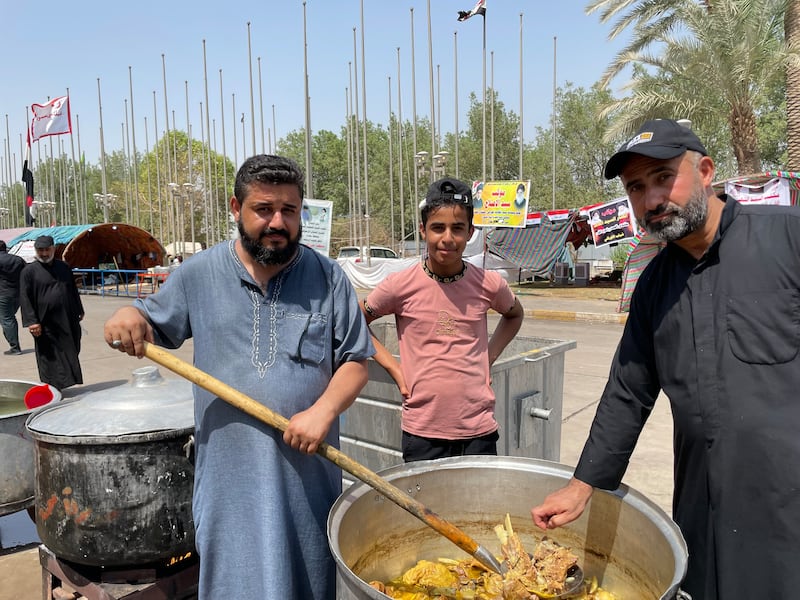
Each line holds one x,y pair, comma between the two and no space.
682,221
45,261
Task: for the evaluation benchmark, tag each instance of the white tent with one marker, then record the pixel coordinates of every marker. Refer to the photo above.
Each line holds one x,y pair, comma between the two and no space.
183,248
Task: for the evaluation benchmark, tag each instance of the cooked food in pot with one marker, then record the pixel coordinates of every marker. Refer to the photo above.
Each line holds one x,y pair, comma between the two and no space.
543,574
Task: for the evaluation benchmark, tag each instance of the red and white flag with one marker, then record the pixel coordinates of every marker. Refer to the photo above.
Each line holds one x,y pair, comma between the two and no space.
50,118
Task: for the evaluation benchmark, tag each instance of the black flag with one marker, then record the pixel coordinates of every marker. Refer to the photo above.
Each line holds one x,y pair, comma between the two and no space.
27,177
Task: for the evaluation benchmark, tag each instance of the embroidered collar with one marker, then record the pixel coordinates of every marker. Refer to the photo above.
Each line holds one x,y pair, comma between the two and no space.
449,278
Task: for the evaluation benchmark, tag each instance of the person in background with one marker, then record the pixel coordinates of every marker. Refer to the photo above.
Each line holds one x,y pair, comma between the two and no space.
440,308
52,311
281,323
715,323
10,269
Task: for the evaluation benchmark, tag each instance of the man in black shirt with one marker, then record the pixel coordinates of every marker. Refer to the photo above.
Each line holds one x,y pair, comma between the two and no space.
10,268
715,324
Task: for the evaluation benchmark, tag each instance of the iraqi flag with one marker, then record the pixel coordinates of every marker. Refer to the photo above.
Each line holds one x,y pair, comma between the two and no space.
559,214
30,211
478,9
50,118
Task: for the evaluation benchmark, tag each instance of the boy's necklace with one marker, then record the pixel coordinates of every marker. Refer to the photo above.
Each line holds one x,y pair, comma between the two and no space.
449,278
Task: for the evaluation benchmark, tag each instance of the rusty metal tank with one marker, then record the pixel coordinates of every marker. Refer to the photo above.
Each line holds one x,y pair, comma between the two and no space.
633,548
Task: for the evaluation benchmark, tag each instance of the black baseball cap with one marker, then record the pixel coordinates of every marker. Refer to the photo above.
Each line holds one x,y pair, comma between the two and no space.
43,241
449,188
659,138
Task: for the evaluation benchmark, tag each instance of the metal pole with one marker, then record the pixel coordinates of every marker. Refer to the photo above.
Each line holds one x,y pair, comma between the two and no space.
252,105
364,103
521,96
455,99
554,122
309,169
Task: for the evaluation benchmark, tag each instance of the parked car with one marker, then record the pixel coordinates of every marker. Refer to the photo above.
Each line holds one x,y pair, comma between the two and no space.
359,255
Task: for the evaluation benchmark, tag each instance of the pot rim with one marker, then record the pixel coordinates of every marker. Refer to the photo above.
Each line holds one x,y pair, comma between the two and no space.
635,499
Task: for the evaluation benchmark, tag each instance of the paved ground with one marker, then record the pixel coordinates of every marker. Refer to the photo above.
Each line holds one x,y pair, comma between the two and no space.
593,323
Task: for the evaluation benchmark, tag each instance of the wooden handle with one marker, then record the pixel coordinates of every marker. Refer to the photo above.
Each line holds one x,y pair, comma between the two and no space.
262,413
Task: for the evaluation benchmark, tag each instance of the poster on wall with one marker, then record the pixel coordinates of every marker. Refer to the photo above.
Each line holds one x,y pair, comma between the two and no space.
316,220
611,222
500,203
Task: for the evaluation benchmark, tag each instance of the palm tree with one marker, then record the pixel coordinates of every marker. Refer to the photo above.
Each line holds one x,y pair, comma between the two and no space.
698,56
792,36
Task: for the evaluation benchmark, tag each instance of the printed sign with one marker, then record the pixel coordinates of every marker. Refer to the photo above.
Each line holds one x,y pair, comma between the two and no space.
611,222
500,203
316,217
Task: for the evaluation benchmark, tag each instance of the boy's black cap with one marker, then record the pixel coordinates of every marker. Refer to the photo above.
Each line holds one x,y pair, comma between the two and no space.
449,188
659,138
43,241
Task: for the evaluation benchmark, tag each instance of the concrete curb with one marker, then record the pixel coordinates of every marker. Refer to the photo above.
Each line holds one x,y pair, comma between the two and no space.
566,315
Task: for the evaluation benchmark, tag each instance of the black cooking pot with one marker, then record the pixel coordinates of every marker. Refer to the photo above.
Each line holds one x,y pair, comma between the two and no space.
113,474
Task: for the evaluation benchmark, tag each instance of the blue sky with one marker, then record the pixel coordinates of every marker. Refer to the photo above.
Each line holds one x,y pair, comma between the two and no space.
47,47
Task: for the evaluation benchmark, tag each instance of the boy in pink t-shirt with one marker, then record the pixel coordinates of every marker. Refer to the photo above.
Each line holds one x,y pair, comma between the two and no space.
440,308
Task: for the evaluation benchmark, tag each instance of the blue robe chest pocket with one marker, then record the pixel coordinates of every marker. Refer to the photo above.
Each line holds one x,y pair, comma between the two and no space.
306,337
764,327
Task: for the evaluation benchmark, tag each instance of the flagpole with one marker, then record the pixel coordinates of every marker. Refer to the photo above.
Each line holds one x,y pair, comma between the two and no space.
190,178
252,105
135,161
391,168
102,156
208,187
307,104
81,170
364,104
491,150
400,159
356,150
521,96
74,175
158,171
430,87
166,126
414,116
127,138
483,101
455,95
554,122
350,167
261,103
233,121
274,143
227,193
149,180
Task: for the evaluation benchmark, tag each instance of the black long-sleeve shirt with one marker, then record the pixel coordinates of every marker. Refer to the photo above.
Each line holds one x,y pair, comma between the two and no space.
721,337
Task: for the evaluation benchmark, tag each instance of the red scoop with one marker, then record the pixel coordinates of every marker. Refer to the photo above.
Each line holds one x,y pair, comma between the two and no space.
37,396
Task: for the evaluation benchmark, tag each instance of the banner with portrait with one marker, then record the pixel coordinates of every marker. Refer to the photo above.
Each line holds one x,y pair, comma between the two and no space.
612,222
500,203
316,217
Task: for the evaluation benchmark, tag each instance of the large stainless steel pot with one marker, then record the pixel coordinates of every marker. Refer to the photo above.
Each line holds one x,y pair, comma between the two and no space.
626,541
113,475
16,446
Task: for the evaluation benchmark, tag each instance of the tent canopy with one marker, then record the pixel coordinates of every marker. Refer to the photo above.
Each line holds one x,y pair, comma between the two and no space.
90,246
